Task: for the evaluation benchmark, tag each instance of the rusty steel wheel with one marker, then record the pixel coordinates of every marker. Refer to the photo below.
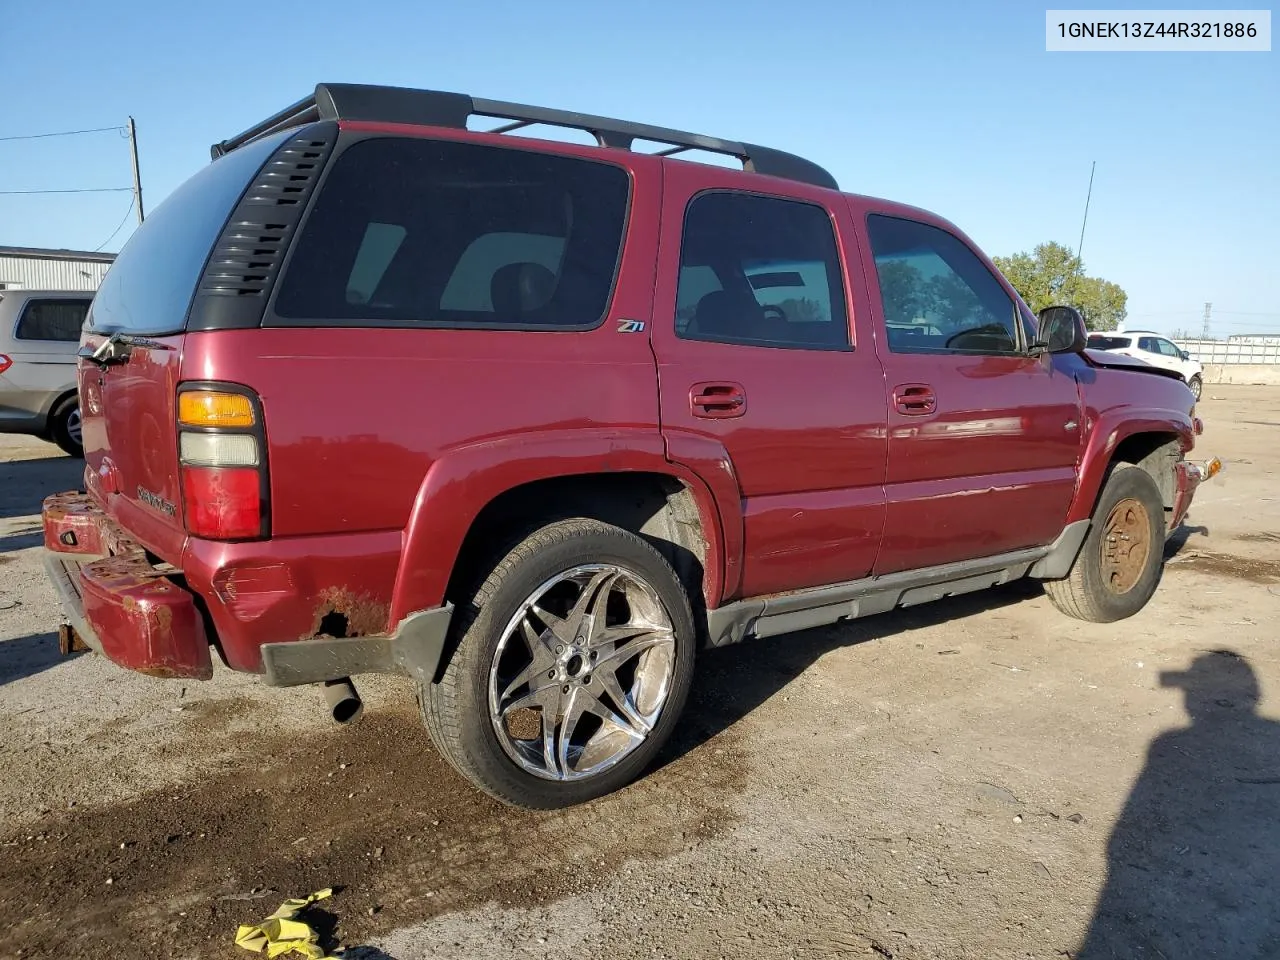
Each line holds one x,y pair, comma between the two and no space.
1118,567
1125,545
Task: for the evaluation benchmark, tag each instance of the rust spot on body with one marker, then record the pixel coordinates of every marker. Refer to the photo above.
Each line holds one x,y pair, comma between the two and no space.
362,614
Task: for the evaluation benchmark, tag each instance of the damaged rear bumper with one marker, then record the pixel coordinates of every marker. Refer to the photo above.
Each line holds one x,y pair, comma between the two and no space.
146,617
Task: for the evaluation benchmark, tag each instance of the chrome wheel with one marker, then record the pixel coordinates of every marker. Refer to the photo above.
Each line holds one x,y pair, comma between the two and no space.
582,672
74,426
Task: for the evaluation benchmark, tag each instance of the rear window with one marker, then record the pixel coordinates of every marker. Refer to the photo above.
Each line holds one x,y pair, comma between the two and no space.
50,319
149,287
436,233
1108,343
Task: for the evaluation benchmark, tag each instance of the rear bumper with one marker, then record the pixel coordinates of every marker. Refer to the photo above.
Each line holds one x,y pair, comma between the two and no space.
1189,476
146,617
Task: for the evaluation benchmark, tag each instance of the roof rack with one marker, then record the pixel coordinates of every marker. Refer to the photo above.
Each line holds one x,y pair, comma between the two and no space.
350,101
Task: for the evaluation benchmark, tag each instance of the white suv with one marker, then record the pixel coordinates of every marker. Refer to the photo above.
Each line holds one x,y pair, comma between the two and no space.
1155,349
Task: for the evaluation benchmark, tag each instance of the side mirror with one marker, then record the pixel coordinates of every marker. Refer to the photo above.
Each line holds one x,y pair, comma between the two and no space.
1062,330
1184,355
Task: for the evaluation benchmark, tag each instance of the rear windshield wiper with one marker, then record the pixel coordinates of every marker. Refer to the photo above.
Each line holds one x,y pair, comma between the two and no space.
117,348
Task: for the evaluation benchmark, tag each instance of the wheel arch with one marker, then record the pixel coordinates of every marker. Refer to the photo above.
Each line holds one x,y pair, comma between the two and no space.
1153,443
476,498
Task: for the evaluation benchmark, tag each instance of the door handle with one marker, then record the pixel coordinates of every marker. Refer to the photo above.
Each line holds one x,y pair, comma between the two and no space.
915,399
717,401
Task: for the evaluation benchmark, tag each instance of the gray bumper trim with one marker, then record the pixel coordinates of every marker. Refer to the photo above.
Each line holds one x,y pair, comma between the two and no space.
64,573
414,649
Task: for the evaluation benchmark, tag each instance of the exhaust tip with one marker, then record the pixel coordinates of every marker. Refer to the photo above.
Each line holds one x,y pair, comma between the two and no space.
345,705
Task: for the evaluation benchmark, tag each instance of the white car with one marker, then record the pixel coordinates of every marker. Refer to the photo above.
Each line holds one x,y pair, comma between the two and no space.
1155,349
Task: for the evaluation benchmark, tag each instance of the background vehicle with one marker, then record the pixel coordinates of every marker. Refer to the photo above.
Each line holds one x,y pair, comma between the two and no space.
654,406
1155,349
39,336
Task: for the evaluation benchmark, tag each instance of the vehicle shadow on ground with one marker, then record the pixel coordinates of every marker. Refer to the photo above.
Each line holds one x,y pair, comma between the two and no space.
1194,861
25,483
733,681
27,656
1178,539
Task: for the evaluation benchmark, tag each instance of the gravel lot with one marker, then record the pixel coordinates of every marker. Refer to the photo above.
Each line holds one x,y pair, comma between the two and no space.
977,778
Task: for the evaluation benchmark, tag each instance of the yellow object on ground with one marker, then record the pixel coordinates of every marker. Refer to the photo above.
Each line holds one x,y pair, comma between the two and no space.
282,933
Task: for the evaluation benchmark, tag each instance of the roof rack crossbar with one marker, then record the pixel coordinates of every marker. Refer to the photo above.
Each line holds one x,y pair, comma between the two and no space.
345,101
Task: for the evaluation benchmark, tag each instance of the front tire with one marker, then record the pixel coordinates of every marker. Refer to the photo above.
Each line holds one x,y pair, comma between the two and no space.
64,427
572,664
1119,564
1196,385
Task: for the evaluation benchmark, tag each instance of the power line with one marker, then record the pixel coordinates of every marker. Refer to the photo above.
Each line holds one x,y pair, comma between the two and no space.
118,228
27,193
61,133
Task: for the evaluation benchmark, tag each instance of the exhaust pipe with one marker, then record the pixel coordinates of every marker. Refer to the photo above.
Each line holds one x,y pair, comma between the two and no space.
345,705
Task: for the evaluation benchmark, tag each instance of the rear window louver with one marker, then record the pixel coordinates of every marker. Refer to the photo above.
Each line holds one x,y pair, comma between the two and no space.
249,251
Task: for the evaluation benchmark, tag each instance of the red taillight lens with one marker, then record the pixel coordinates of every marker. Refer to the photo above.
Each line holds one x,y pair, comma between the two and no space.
222,503
222,447
5,362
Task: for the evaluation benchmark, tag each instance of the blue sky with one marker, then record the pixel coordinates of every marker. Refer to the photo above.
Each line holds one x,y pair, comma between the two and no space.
954,107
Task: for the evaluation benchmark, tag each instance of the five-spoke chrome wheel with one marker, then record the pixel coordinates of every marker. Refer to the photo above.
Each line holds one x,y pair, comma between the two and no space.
581,672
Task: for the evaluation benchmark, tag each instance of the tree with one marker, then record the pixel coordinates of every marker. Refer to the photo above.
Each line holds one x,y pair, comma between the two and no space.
1052,276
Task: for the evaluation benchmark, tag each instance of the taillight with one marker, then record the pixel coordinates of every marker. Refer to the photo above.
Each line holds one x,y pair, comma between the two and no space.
222,451
5,362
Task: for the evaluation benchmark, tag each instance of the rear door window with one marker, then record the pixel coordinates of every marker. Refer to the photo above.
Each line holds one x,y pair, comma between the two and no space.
760,271
52,319
437,233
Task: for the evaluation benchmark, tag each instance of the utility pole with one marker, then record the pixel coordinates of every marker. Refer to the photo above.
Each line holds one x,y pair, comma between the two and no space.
1204,334
137,176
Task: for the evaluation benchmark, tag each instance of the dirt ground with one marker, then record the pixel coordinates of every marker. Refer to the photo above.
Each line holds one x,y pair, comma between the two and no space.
977,778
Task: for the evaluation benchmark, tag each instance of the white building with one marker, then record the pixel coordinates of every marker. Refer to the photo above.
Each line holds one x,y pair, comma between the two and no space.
31,268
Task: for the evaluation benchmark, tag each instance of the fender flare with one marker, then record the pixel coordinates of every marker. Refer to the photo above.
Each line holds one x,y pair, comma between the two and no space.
464,480
1106,433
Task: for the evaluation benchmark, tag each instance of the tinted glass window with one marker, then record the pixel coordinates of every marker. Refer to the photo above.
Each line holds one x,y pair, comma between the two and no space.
148,289
1168,349
938,296
1148,344
429,232
760,271
52,320
1108,343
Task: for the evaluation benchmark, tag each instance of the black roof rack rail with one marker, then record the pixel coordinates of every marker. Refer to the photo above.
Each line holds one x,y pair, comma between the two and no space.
351,101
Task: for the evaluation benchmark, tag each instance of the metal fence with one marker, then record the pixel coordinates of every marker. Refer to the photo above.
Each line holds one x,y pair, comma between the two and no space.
1231,351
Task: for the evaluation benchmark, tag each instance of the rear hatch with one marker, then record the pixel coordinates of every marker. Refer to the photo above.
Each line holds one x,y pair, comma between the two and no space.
202,260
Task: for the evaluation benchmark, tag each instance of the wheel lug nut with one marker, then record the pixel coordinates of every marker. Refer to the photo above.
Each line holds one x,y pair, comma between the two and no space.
559,648
586,678
595,654
551,674
565,689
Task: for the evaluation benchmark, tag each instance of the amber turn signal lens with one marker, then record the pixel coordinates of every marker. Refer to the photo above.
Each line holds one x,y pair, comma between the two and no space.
210,408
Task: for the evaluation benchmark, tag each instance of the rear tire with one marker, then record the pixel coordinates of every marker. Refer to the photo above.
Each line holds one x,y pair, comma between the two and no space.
64,427
1196,386
1119,564
526,672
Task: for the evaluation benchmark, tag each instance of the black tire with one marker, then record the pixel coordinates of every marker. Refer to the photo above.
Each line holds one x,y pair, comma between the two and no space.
1092,590
1196,386
456,709
60,429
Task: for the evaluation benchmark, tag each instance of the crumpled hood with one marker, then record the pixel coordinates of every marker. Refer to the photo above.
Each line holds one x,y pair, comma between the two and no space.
1118,361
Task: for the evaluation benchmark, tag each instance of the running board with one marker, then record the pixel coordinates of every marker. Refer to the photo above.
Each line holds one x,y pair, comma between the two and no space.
788,612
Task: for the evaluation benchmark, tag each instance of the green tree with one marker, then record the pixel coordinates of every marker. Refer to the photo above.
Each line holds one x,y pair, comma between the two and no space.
1052,276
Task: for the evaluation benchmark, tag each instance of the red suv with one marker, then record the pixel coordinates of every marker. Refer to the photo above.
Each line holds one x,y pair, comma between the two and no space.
531,421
